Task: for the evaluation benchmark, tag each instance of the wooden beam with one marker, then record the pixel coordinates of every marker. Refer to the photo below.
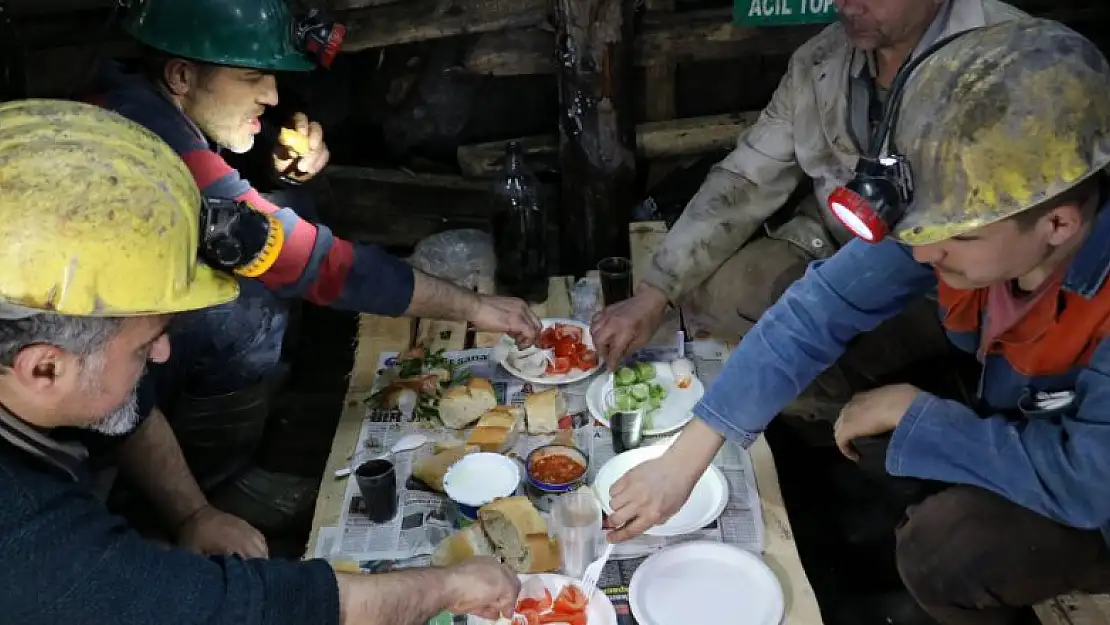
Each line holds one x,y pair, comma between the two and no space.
664,39
679,137
420,20
597,135
397,208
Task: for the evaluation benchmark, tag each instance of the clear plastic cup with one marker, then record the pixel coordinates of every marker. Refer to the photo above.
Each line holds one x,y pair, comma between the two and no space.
576,522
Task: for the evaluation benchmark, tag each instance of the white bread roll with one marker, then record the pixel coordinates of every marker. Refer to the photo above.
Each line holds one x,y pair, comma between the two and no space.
463,404
461,545
543,411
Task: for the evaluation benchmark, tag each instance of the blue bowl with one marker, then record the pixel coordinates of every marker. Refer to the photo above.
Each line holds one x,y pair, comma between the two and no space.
556,450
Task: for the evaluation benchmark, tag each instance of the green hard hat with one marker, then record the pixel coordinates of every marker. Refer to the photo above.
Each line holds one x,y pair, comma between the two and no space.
242,33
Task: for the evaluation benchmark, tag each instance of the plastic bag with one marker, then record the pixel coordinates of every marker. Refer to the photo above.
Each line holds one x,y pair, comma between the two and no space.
464,257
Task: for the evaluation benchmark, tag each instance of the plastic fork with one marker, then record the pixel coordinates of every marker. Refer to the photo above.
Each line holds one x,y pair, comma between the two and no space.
593,572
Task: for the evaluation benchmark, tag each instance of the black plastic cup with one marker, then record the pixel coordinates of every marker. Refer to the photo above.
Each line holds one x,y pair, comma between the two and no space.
377,481
616,279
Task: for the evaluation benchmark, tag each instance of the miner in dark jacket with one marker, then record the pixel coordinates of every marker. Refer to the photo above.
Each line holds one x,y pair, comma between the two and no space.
98,252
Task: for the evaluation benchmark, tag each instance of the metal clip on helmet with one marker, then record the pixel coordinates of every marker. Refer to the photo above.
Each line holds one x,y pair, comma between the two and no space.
259,34
990,122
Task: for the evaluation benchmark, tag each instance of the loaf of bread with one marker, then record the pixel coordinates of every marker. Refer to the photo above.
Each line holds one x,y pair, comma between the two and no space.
519,535
463,544
463,404
510,529
543,410
431,470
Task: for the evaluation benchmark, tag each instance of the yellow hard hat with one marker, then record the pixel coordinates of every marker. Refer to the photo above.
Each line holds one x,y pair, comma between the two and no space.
998,121
98,217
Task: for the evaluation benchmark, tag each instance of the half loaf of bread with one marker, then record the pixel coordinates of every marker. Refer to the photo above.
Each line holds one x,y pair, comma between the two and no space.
519,535
462,404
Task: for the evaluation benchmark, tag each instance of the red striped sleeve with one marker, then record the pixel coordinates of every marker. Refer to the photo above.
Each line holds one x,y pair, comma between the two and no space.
328,277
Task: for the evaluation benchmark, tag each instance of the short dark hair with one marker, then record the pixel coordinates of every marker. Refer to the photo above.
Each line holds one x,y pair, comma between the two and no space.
1078,195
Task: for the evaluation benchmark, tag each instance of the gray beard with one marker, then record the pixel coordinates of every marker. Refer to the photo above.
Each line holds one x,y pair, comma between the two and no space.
121,420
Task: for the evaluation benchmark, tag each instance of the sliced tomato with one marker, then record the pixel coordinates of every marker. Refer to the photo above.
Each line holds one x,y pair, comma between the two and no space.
571,600
565,347
536,604
543,605
582,348
587,359
568,331
547,338
573,360
578,618
561,365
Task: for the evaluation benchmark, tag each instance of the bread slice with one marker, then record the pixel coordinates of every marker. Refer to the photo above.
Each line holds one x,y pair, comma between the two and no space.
489,439
461,545
543,410
510,417
463,404
519,535
431,470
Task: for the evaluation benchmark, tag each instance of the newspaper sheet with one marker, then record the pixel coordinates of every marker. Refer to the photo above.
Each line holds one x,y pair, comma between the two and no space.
425,518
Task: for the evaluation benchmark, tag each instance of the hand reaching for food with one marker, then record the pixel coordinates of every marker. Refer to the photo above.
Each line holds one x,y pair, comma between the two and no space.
484,587
509,315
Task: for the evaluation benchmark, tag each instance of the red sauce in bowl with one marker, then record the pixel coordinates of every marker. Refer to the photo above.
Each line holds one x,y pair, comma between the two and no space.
557,469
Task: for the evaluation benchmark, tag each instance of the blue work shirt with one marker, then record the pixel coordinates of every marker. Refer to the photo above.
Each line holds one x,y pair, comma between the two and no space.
1054,462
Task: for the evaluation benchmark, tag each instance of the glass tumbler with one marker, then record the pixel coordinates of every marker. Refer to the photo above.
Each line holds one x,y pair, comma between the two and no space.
576,520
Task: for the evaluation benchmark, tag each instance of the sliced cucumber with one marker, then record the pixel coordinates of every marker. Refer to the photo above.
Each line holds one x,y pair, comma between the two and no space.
625,376
645,371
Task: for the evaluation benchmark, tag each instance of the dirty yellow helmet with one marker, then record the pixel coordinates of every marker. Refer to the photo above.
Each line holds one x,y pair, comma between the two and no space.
998,121
98,217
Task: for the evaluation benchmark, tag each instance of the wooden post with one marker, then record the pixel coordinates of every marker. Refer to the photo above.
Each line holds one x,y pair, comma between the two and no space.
597,143
659,92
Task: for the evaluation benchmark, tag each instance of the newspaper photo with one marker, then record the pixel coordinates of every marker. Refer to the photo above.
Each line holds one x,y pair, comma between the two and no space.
425,518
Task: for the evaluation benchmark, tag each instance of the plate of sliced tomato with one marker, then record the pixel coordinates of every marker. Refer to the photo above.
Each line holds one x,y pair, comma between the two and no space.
571,350
548,598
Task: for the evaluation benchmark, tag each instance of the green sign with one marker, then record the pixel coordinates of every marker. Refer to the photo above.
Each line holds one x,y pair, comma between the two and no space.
783,12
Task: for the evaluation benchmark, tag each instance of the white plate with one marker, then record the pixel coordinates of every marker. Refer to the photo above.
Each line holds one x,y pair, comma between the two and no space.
671,416
705,582
599,611
707,501
566,378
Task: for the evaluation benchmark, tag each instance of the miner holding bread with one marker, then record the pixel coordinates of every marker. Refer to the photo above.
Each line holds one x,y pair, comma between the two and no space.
74,341
206,76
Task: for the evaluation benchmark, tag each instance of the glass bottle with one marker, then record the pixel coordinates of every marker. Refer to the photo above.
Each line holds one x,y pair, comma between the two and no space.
519,230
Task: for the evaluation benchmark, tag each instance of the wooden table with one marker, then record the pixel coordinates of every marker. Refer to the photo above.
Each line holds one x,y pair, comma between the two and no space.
381,334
